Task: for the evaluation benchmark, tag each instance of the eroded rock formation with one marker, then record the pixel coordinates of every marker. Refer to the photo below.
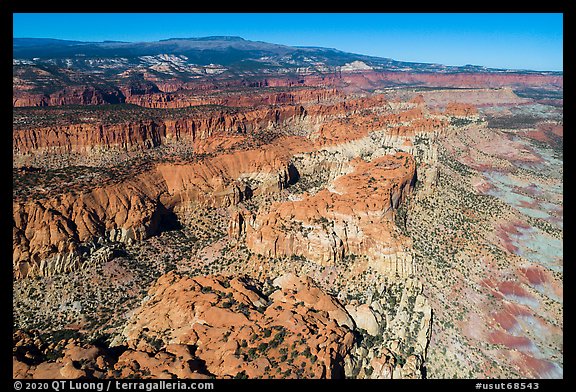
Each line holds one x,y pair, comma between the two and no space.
51,235
232,327
353,216
134,207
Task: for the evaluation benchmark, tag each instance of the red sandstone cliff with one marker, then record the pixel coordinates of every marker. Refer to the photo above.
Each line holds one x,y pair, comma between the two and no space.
71,95
186,98
177,93
133,208
48,232
145,134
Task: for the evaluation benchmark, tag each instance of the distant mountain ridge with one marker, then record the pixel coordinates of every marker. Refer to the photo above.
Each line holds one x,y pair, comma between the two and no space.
51,72
226,51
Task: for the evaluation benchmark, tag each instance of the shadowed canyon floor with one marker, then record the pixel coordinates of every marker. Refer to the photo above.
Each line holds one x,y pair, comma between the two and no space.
291,232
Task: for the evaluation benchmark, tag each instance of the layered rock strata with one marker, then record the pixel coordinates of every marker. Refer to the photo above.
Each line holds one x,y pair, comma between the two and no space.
327,124
163,195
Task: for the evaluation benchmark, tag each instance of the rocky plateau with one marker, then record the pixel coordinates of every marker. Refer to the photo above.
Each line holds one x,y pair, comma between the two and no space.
371,219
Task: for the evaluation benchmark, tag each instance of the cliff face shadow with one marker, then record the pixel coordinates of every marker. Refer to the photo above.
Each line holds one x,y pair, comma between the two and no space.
164,219
414,179
294,174
248,193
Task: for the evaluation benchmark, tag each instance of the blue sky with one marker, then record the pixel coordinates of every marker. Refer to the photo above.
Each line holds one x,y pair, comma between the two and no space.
515,41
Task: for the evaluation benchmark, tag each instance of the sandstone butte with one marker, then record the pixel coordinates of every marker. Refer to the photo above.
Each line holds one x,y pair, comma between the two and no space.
48,232
353,217
218,326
